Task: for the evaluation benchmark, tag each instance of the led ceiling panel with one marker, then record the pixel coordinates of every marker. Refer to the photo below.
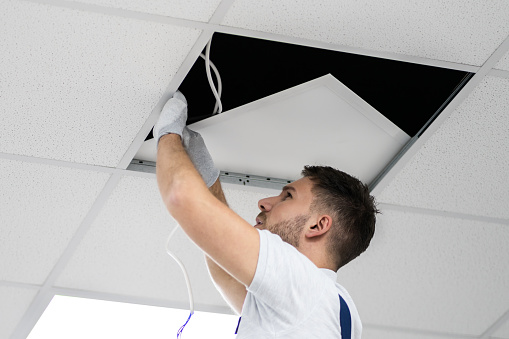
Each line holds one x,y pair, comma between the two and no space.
320,122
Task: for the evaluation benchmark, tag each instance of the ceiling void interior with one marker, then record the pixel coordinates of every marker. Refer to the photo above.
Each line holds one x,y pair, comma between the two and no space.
408,96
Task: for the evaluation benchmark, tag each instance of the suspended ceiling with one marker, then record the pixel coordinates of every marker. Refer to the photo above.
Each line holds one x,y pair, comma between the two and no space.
82,83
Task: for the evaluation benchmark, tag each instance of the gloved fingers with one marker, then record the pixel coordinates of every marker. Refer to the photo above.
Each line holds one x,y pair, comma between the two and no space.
179,96
173,117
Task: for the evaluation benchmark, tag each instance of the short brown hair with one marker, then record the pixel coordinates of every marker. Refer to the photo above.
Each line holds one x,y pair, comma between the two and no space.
352,208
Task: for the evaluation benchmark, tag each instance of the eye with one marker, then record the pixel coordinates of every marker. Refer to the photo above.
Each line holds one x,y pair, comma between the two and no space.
288,195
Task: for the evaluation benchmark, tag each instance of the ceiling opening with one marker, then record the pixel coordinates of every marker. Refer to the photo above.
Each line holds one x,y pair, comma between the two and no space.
405,93
255,71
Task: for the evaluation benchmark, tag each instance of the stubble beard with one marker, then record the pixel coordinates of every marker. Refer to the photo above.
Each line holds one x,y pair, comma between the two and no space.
289,230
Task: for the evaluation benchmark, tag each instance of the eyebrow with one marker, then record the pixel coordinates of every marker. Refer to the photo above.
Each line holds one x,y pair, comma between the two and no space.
289,188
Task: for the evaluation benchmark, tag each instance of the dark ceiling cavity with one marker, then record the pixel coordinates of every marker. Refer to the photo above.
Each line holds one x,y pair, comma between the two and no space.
408,94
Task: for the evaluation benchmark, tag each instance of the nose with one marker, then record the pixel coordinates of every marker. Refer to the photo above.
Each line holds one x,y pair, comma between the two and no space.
266,204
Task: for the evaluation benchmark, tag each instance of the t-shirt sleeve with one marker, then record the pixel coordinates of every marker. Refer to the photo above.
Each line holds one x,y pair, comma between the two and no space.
285,280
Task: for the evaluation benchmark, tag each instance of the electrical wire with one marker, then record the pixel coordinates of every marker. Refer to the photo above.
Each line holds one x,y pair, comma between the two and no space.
186,276
218,108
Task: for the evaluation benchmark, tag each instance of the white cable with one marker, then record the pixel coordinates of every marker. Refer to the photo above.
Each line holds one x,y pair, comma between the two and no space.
186,276
219,82
209,77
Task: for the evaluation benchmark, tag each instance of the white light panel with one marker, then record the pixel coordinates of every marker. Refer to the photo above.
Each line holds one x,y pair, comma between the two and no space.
463,167
457,31
41,208
14,302
199,10
320,122
78,86
431,273
78,318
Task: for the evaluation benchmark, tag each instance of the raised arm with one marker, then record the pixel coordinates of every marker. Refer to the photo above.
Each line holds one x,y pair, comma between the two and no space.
231,244
233,291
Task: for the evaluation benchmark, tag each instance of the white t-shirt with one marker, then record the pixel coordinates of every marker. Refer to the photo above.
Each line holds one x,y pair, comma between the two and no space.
290,297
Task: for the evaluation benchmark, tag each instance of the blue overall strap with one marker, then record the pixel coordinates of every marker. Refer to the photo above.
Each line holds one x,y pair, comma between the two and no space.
238,325
345,319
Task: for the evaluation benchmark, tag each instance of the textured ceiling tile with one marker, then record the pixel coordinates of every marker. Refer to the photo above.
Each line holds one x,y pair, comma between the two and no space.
431,273
78,86
458,31
502,332
199,10
42,206
14,302
124,251
463,167
503,63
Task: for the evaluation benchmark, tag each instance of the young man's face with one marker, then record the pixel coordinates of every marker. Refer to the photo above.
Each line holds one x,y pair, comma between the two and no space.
288,213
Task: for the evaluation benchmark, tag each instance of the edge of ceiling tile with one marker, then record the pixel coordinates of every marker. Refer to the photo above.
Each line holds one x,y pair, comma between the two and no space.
496,325
119,12
445,214
45,294
500,73
16,284
59,163
70,292
472,84
430,334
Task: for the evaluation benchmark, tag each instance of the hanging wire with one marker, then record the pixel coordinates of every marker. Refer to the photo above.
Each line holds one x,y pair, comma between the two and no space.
186,276
218,108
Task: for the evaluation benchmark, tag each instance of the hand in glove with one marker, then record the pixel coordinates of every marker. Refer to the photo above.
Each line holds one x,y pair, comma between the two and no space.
173,117
173,120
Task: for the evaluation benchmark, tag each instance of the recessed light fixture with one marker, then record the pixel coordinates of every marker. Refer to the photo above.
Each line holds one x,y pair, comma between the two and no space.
81,318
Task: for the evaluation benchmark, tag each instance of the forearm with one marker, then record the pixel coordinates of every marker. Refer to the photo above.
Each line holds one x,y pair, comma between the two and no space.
231,289
206,220
174,168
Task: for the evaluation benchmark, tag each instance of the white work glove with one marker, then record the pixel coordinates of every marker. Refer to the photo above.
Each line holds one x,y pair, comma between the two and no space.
173,117
200,156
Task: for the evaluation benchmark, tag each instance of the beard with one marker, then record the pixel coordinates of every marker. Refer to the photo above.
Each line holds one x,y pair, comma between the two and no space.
289,230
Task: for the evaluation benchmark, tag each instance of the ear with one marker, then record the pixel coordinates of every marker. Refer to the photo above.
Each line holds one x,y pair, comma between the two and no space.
322,226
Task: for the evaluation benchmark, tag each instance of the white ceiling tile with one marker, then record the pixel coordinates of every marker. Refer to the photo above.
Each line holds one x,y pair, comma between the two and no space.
41,208
502,332
199,10
463,167
78,86
457,31
431,273
124,251
503,63
14,301
372,333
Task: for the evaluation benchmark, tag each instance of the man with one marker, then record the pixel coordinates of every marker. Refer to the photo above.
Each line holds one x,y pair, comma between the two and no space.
280,274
